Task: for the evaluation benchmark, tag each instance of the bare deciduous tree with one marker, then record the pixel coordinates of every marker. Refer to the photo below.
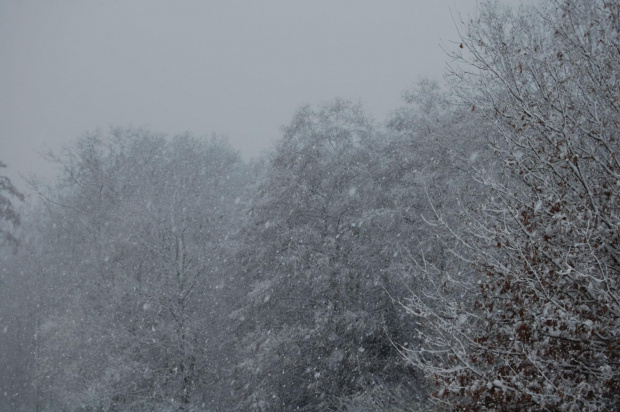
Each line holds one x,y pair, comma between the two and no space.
543,330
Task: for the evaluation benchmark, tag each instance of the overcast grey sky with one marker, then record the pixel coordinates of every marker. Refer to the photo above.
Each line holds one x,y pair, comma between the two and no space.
236,67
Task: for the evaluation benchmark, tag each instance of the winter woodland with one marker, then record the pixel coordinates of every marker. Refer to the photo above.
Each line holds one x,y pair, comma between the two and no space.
463,254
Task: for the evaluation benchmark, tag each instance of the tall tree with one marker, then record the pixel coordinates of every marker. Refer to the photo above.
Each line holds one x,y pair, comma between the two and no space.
13,328
544,329
319,315
9,218
139,226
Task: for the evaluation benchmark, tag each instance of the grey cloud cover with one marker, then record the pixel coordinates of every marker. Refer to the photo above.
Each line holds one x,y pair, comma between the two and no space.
234,67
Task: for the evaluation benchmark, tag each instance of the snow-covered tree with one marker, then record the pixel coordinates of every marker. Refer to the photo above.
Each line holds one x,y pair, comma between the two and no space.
320,317
140,227
14,358
9,217
541,329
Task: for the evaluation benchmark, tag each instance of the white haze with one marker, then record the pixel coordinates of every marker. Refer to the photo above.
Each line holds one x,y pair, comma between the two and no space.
226,67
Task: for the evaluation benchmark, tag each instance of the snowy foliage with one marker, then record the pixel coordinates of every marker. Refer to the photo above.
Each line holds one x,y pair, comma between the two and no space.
9,217
135,247
320,312
544,329
463,254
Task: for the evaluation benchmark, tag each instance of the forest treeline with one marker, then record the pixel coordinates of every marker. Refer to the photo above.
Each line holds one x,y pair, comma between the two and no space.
461,255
